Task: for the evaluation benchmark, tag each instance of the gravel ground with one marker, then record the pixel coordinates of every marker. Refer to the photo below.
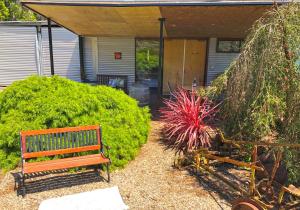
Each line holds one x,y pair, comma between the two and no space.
148,182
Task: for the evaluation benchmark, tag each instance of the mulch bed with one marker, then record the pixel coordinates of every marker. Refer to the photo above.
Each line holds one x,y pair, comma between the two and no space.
148,182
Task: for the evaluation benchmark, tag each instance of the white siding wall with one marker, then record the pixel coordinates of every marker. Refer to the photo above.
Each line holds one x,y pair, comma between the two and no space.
17,53
217,62
65,53
107,46
22,54
90,51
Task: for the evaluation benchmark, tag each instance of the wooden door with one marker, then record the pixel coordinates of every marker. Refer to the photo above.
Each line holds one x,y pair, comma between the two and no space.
173,62
184,60
194,67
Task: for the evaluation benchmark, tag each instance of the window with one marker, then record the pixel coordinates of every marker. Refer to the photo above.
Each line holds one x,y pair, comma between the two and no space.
229,45
147,59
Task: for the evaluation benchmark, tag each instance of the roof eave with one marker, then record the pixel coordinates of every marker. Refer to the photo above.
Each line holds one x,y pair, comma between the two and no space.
25,23
160,4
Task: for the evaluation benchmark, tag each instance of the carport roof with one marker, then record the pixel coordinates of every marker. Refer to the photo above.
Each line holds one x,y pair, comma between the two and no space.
197,18
155,2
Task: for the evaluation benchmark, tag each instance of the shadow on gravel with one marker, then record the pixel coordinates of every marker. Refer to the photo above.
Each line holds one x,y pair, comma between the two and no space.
215,186
38,182
240,175
212,185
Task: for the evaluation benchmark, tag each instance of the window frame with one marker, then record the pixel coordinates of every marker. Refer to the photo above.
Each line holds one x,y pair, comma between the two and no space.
228,39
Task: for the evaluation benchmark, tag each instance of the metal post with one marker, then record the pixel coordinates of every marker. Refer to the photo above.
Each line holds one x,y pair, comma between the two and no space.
81,54
161,55
50,46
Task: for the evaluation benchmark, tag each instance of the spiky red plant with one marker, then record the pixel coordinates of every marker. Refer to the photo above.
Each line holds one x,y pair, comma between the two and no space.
186,118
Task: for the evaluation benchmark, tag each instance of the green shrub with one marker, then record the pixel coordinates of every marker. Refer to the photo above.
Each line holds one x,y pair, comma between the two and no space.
53,102
217,88
262,86
262,81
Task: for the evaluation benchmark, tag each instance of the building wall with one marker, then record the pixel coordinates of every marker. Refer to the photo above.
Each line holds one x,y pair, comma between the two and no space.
24,51
90,57
107,64
17,53
217,62
99,57
65,53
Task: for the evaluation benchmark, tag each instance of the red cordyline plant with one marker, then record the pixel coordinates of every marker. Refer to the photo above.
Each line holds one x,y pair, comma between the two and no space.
186,118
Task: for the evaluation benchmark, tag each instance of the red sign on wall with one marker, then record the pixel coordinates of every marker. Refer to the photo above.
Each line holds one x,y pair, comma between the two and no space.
118,55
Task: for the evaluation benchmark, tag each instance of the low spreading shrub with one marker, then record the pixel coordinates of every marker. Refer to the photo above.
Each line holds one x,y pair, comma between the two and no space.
186,120
53,102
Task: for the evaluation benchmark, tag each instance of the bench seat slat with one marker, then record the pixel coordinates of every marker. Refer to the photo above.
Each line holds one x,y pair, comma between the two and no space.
64,163
60,151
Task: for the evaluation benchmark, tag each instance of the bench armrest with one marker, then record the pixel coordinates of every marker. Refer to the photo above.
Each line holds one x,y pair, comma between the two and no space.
107,149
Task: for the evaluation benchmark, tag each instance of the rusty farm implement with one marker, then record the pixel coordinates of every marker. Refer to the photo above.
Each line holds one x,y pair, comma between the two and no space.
263,192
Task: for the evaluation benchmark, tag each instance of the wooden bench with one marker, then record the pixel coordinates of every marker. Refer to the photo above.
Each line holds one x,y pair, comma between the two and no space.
62,141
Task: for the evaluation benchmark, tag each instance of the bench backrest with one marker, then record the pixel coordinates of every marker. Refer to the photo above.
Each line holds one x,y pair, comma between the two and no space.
49,142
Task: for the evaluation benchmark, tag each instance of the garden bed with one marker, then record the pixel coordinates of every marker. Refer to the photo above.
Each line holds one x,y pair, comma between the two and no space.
148,182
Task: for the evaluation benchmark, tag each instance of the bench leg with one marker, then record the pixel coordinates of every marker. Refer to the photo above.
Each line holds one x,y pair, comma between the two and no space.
16,185
23,186
96,168
107,170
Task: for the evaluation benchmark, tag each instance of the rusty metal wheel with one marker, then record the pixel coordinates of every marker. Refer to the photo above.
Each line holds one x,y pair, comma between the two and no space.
246,204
